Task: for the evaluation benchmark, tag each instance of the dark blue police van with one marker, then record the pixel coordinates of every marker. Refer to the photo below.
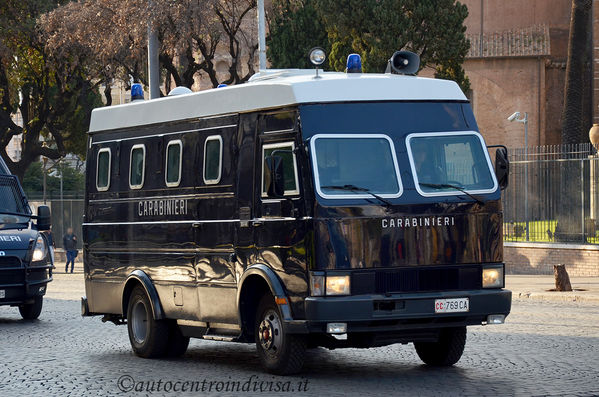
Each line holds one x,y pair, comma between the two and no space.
25,253
301,209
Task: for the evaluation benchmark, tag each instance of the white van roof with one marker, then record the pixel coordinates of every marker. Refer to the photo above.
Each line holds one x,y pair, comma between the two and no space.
274,89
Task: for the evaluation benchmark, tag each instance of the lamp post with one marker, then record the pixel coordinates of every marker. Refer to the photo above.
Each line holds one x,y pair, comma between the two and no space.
44,162
261,36
61,197
153,61
524,120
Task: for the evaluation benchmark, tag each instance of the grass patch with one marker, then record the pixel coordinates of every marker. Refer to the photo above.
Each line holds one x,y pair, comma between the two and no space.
539,232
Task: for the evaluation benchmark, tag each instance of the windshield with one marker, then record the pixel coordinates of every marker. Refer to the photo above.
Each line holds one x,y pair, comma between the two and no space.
355,166
13,205
450,163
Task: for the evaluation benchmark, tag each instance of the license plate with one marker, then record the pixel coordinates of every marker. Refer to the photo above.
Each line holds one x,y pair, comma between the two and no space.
2,294
455,305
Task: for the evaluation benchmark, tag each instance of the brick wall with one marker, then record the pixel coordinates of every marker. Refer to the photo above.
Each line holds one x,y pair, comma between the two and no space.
538,258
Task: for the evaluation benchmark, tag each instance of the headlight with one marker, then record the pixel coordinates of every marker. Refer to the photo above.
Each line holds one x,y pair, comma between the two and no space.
40,251
338,285
321,284
493,277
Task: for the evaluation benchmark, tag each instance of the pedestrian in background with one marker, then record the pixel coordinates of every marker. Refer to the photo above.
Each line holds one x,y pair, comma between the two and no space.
69,242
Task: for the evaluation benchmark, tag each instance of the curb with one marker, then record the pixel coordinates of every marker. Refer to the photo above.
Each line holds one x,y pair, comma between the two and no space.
555,296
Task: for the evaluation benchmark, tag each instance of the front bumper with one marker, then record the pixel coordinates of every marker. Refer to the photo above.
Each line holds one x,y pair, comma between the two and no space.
20,285
400,312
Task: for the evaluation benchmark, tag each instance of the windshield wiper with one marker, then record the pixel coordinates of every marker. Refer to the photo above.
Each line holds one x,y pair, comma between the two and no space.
448,186
353,188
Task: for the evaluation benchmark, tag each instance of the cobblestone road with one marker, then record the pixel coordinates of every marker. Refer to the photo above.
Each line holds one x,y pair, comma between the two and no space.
546,348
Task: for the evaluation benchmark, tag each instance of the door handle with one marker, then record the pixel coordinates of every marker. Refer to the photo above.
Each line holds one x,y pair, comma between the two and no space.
257,223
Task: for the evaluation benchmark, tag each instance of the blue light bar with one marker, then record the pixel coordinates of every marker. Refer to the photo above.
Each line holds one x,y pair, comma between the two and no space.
221,85
137,92
354,64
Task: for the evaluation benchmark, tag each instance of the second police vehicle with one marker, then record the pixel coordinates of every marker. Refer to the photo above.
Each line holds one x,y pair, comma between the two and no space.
26,254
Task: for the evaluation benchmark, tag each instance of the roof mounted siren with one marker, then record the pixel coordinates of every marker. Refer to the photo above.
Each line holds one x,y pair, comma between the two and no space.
354,64
403,62
137,92
317,58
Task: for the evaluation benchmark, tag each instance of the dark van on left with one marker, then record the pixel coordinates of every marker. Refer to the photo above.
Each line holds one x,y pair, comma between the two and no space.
25,253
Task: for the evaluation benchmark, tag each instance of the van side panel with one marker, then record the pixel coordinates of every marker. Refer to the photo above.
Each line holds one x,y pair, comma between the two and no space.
180,236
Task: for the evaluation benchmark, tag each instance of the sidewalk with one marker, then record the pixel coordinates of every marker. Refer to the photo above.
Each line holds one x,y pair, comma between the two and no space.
59,264
585,289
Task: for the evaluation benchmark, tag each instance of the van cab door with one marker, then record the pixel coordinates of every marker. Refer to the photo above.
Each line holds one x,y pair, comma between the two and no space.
279,222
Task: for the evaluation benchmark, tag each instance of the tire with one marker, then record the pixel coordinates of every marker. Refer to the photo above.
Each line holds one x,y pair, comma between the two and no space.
32,311
148,337
280,353
445,352
177,343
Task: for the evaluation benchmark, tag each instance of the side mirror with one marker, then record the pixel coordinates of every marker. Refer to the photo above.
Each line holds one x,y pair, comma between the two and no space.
502,167
44,219
276,187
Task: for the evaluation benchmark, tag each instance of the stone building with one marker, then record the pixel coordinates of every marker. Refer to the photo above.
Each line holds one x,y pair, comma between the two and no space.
517,62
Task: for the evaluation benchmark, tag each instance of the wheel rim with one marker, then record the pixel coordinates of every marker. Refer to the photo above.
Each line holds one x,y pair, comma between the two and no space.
139,322
270,332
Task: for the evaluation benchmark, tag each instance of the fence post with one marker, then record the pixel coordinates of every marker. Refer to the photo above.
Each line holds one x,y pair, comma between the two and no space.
526,182
584,239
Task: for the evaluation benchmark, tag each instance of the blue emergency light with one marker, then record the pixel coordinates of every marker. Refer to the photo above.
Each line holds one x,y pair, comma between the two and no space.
137,92
222,85
354,64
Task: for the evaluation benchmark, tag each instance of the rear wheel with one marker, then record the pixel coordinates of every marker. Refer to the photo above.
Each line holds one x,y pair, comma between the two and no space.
446,351
280,353
148,337
32,311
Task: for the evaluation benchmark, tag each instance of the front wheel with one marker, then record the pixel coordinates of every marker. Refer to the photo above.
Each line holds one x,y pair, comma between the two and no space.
32,311
446,351
177,343
148,337
280,353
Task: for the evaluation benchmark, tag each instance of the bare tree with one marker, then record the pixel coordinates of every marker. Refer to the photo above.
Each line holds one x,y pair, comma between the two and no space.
49,92
193,35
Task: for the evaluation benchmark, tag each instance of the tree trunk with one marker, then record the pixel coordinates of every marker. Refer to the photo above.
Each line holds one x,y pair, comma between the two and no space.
574,89
587,96
562,280
569,219
108,92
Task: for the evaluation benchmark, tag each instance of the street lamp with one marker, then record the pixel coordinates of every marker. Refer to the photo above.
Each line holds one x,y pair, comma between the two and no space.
516,117
261,36
61,196
45,161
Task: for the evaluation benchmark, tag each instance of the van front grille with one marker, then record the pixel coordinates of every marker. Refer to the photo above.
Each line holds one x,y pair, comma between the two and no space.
9,261
417,279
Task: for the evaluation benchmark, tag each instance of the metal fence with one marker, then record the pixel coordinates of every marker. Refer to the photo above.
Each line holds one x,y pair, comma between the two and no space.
65,213
553,194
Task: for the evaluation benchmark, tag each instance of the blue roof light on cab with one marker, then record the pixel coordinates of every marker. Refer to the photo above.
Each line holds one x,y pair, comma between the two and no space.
354,64
137,92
